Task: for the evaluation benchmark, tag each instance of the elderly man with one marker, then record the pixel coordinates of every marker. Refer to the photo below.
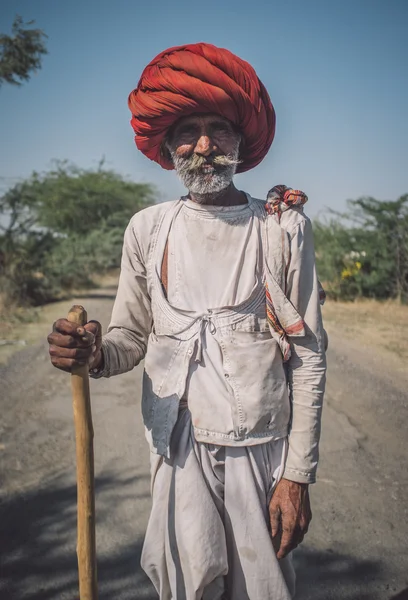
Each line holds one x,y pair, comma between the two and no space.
218,294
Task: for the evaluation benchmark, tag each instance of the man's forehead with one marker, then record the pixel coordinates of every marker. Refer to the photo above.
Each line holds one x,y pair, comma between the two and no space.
200,117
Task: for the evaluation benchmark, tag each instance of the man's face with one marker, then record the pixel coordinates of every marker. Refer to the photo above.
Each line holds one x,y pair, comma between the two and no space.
205,150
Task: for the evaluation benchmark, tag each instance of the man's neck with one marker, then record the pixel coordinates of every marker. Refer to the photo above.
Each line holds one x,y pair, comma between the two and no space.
228,197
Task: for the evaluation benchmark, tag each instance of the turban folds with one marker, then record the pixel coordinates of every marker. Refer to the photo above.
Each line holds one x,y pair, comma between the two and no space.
201,78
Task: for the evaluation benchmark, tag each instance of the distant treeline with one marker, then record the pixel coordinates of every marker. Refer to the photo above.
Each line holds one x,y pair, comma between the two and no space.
59,229
364,253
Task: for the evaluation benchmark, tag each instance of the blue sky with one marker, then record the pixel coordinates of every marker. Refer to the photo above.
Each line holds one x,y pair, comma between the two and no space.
336,71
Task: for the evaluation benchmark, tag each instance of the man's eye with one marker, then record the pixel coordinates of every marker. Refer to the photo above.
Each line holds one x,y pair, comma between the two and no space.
187,133
184,138
222,130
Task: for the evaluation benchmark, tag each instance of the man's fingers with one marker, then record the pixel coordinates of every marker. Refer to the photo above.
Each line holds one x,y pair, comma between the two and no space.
291,538
72,345
67,364
66,327
292,499
75,353
276,526
275,520
71,341
72,329
288,543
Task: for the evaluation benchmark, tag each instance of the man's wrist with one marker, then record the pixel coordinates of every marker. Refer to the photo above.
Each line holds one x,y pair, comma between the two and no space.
300,483
98,363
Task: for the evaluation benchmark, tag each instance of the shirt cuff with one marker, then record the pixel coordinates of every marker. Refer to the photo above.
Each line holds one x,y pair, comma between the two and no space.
100,371
299,476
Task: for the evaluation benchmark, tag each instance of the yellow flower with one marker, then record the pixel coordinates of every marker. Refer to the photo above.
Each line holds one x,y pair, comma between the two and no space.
351,270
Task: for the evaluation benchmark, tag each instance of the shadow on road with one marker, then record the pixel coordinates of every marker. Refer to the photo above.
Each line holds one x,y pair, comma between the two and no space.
38,560
38,537
401,596
333,576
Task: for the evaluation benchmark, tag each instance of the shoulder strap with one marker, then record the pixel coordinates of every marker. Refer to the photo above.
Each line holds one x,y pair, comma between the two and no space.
161,246
164,274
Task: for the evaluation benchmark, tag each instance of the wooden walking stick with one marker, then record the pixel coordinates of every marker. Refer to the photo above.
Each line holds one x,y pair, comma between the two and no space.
86,548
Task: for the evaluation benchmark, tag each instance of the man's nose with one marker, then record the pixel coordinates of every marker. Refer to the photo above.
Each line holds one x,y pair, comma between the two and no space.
204,146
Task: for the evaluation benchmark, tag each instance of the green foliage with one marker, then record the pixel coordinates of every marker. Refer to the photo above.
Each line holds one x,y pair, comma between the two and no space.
62,228
21,53
71,200
365,252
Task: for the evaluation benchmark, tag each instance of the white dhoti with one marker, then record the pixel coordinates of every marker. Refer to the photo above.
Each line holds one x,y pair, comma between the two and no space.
208,535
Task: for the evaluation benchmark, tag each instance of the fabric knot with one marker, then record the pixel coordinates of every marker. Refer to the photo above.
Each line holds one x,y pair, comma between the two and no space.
281,197
206,321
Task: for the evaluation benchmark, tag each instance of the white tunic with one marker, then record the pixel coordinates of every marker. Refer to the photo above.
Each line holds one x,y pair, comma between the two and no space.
208,536
225,245
224,242
144,325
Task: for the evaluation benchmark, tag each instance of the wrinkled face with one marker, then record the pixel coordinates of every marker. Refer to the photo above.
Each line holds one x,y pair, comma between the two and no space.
204,150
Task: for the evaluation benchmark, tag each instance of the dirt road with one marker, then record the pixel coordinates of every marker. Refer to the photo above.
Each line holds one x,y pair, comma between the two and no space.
357,547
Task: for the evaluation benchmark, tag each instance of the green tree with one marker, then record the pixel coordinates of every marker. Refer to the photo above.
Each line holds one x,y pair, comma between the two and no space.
59,229
21,53
335,243
365,251
71,200
384,231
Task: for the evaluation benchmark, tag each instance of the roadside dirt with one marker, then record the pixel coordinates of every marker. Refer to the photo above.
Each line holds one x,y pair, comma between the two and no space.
356,549
381,327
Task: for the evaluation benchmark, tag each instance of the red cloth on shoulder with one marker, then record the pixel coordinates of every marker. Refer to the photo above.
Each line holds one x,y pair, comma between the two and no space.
201,78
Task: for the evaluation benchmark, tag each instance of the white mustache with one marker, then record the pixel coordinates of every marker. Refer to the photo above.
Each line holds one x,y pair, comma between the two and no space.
196,161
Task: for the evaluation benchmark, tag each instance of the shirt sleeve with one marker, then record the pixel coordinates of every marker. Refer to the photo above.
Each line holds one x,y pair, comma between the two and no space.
307,364
125,343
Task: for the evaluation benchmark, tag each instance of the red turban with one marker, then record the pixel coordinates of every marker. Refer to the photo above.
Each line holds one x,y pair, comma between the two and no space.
201,78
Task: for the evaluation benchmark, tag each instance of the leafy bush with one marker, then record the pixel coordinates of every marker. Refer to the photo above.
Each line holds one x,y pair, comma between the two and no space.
365,251
62,228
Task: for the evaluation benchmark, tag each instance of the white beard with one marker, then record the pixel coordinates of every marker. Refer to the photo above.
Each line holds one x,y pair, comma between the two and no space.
202,183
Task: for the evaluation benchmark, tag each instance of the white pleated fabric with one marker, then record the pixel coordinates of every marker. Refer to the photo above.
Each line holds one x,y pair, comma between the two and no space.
208,535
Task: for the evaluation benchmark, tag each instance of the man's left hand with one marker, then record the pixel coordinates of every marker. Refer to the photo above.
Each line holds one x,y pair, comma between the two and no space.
290,515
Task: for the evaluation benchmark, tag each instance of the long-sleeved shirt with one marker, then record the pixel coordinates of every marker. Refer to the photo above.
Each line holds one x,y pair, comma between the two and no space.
262,398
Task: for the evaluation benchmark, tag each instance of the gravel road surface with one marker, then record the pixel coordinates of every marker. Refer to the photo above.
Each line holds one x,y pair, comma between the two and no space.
357,548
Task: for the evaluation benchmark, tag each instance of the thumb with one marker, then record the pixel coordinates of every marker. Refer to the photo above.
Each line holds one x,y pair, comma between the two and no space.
95,328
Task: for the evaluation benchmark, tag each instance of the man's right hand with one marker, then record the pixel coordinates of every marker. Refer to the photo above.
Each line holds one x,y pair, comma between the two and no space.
72,345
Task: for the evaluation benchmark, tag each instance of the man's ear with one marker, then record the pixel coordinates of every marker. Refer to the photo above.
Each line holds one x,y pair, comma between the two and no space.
241,147
165,150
